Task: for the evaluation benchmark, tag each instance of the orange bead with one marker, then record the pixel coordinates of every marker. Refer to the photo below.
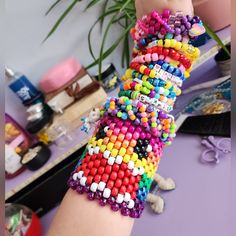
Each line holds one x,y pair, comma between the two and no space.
150,154
142,109
133,117
129,150
109,133
121,137
125,143
117,145
144,119
113,138
161,98
133,143
106,140
153,114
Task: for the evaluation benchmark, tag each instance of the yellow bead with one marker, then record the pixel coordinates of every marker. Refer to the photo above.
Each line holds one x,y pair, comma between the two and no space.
138,163
126,158
189,69
196,53
128,73
160,43
122,151
134,157
94,143
168,85
99,142
144,78
103,148
144,162
178,92
114,152
153,74
167,43
173,43
110,146
142,68
186,74
184,47
178,46
138,87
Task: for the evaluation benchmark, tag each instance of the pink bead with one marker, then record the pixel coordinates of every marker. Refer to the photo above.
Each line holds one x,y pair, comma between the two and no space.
131,129
124,130
145,125
138,129
143,114
119,124
161,57
116,131
109,122
127,123
152,141
148,57
135,135
148,135
128,136
155,57
112,126
142,135
182,68
167,59
142,59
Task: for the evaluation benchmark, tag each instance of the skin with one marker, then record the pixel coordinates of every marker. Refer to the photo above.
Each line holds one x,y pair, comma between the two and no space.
77,216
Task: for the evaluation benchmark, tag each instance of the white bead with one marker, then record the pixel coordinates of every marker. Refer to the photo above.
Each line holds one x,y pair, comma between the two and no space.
106,129
131,165
75,176
161,90
94,187
135,171
90,151
127,197
141,170
80,174
106,154
96,150
111,160
101,186
131,204
120,198
83,181
149,148
106,193
119,159
89,146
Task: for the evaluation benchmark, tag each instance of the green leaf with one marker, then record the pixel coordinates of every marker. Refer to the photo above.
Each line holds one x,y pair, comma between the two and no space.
124,5
92,3
92,27
214,36
113,47
51,7
104,7
61,18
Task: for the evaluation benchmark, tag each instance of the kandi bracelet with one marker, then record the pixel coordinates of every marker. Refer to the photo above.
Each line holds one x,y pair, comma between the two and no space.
123,154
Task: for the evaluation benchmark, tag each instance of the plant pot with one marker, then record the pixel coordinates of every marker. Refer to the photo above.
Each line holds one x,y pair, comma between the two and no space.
223,61
216,13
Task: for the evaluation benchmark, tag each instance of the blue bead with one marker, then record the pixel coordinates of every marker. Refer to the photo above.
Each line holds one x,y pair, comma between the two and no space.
169,35
151,66
177,72
140,76
171,69
160,62
165,66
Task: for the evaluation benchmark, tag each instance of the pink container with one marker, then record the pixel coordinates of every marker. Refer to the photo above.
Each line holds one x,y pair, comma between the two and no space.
59,75
216,13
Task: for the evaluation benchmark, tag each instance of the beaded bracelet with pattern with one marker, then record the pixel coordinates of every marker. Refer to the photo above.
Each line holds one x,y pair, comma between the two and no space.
124,152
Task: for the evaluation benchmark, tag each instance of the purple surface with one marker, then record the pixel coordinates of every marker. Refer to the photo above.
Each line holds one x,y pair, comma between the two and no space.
199,206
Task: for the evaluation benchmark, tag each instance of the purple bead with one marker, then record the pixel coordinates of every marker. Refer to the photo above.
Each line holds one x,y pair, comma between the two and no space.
188,25
91,196
150,108
98,195
123,205
111,200
115,207
152,94
74,185
114,112
178,38
197,19
102,201
80,189
183,28
133,213
86,188
193,21
177,31
125,211
137,121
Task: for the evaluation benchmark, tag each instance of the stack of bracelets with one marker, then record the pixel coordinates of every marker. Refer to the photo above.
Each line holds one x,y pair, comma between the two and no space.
124,152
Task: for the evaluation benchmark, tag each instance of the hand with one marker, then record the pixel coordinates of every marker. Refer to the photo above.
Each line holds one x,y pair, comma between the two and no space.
143,7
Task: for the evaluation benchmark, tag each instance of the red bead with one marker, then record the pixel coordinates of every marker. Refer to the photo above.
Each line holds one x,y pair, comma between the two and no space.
138,178
105,178
121,174
93,171
118,183
136,186
87,159
97,178
159,50
86,172
113,175
125,181
89,179
103,162
97,163
146,72
99,156
149,50
165,52
115,167
127,173
110,184
101,170
108,169
132,180
93,157
123,166
122,190
84,166
129,188
90,165
133,195
78,168
114,192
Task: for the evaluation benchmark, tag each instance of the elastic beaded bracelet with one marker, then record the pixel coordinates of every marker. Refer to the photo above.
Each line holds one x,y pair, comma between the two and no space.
124,152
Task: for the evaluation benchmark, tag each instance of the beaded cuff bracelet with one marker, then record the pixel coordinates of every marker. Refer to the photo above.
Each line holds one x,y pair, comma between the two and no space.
124,152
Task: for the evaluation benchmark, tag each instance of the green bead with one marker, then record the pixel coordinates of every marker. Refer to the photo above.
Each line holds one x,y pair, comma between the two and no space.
141,184
119,114
169,36
172,131
154,124
165,135
129,107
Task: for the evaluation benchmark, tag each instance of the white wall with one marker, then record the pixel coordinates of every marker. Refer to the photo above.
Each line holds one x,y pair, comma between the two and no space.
26,27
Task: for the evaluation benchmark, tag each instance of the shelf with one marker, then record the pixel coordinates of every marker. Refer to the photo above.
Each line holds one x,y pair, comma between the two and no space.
14,185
